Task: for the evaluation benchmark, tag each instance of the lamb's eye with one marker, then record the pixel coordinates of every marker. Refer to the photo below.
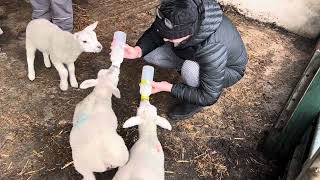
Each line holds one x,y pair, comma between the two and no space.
84,41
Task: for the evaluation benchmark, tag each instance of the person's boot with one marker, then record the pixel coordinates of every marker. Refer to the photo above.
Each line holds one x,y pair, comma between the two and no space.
184,111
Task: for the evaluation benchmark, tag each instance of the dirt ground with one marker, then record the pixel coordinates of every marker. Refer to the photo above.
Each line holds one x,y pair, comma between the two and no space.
218,143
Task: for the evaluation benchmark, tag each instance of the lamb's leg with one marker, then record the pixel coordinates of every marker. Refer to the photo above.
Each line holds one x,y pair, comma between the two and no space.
46,60
88,176
72,76
63,73
31,50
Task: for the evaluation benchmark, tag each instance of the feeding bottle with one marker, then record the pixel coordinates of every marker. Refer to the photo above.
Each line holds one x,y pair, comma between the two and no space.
145,84
117,53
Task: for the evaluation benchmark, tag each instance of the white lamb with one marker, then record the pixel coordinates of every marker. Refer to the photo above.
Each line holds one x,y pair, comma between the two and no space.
96,145
62,47
1,32
146,156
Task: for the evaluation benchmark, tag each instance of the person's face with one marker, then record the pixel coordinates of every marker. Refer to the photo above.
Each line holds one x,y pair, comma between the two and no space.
176,42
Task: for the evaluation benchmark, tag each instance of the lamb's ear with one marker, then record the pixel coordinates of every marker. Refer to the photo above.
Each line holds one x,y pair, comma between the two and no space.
116,92
133,121
88,83
163,122
92,26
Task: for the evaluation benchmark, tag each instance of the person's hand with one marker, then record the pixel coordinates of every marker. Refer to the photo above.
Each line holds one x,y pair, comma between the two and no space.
132,52
129,51
161,86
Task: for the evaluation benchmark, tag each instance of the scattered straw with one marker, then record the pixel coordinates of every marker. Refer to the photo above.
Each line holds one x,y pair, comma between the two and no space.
199,156
35,171
238,138
9,166
66,165
38,154
182,161
169,172
51,169
22,171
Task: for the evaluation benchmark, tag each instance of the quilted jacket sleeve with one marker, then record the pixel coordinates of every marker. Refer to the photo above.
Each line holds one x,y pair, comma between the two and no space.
149,41
212,60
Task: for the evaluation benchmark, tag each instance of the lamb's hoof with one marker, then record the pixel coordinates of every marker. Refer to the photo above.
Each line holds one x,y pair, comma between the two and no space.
31,76
63,86
74,84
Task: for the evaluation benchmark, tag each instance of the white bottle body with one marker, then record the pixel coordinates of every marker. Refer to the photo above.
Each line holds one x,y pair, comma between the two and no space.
117,54
146,80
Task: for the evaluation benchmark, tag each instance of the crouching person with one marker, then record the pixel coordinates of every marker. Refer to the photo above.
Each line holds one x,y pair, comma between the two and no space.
195,38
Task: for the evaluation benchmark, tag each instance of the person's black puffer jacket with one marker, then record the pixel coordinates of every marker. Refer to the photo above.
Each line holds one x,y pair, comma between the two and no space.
216,46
